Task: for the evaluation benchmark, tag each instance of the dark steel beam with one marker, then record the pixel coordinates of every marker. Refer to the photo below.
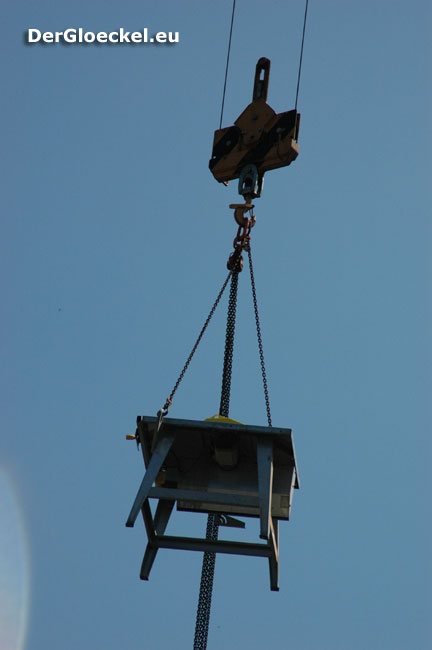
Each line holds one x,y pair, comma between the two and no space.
198,544
207,497
159,454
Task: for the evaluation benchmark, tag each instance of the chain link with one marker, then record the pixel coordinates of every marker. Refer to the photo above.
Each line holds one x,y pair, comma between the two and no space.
260,345
197,342
212,531
229,347
206,587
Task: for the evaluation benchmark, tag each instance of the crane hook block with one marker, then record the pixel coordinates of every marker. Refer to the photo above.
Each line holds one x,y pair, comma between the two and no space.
259,136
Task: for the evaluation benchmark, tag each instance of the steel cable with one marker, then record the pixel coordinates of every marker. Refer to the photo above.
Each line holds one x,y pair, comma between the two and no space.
227,64
301,54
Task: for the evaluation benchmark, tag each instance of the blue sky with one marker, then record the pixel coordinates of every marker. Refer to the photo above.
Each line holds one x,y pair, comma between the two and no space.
115,238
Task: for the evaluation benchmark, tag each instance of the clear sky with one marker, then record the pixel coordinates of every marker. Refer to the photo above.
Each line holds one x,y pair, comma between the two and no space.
114,242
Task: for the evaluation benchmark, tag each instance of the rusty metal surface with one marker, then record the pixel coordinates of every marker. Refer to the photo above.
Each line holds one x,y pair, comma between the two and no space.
259,136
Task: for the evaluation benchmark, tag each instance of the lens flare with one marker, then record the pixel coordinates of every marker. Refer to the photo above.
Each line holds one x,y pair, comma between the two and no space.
14,568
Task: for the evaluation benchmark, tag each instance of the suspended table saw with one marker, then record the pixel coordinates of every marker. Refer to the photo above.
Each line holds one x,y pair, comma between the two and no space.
219,467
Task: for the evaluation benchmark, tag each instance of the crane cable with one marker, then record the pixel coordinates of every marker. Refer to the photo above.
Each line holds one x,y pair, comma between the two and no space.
301,54
229,52
227,63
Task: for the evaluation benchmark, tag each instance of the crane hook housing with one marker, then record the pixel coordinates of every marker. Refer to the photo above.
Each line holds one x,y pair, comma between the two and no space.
259,138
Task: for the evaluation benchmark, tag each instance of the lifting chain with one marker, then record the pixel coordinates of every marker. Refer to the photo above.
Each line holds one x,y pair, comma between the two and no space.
235,265
169,399
259,337
229,340
212,531
206,587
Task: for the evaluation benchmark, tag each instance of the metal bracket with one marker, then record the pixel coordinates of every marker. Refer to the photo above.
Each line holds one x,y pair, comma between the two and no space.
226,520
250,183
262,78
159,454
